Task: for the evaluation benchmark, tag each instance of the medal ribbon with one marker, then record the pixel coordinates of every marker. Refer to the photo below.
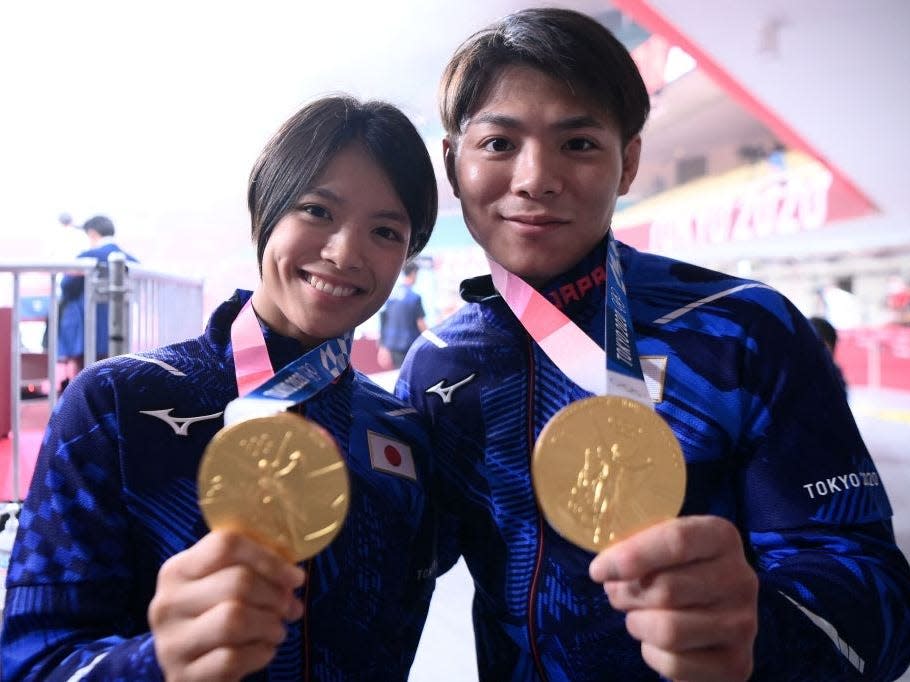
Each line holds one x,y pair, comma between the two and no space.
263,391
570,349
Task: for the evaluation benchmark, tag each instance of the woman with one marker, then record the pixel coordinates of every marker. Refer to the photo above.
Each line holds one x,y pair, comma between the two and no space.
115,575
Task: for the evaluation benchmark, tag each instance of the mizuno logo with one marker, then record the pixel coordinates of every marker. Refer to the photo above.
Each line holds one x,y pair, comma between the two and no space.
445,392
181,425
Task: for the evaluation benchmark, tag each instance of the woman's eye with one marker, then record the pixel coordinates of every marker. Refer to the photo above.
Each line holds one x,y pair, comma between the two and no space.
316,210
389,233
497,144
579,144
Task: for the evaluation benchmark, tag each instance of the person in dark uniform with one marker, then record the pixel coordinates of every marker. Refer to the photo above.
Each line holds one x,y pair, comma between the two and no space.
401,320
71,337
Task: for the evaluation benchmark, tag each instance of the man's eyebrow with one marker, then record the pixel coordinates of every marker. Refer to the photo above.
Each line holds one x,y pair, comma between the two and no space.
580,121
568,123
494,119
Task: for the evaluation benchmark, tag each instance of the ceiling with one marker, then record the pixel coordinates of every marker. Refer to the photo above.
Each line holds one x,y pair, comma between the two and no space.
825,76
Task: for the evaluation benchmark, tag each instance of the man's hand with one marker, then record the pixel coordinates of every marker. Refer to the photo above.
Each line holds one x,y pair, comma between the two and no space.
689,594
220,608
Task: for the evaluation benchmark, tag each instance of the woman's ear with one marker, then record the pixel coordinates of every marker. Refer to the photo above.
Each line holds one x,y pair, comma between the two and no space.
448,157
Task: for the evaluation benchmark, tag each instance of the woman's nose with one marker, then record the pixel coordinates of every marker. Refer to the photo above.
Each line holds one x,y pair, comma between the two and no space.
343,250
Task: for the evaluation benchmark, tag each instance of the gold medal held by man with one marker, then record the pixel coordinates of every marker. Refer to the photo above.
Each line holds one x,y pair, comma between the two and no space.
606,467
280,480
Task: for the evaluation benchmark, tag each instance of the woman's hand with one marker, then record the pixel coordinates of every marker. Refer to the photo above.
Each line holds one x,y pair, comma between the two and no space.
220,608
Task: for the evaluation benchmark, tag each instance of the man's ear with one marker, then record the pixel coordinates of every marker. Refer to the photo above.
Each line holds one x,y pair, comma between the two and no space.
448,158
631,155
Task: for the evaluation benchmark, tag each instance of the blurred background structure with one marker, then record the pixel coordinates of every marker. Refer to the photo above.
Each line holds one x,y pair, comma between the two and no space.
776,149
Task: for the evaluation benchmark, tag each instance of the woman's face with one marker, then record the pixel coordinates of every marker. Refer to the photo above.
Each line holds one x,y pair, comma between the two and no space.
333,259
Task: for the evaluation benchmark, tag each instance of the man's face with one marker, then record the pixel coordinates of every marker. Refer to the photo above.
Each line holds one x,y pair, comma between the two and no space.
538,170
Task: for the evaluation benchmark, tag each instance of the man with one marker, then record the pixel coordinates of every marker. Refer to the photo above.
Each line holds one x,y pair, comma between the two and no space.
70,343
782,564
401,320
100,232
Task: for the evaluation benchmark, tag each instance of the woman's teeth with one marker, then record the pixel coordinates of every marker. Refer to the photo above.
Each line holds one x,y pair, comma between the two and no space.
327,288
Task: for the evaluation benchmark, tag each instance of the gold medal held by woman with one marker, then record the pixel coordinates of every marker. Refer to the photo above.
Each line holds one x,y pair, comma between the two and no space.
606,467
280,480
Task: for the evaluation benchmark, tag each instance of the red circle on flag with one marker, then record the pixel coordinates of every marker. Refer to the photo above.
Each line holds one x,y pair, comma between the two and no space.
392,454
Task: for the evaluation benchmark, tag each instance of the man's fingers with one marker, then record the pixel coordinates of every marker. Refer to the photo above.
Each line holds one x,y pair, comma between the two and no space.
681,631
705,665
679,589
667,544
701,584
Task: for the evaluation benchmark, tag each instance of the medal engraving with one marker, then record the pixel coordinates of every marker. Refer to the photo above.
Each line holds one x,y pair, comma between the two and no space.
278,479
604,468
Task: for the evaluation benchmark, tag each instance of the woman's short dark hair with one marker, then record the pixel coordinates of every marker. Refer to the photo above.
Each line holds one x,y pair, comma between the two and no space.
567,45
307,142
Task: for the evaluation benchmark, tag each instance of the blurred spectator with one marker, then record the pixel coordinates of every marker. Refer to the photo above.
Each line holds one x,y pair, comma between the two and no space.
401,321
898,300
828,335
71,339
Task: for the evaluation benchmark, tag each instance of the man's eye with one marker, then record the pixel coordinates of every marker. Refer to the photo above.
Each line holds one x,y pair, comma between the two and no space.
579,144
389,233
316,210
497,144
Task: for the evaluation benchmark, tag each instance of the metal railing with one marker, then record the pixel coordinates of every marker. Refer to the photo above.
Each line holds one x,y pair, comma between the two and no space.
147,308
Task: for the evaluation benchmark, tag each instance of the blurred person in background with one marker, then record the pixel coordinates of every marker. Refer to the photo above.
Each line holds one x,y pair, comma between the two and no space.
785,531
828,335
897,300
401,320
71,322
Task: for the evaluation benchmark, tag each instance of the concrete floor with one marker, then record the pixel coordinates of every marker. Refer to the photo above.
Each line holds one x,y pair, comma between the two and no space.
446,652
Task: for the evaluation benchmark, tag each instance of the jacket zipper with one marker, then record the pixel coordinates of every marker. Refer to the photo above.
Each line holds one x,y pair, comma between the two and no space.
532,594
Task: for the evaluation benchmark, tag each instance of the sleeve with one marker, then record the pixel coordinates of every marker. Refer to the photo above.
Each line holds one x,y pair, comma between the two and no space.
818,520
73,609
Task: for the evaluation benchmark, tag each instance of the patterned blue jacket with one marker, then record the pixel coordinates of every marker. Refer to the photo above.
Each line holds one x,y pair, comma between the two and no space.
114,495
769,443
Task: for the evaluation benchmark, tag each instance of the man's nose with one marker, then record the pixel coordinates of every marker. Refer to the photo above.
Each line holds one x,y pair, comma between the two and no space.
536,173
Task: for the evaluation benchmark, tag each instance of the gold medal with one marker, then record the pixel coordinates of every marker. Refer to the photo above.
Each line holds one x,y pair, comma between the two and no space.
280,480
606,467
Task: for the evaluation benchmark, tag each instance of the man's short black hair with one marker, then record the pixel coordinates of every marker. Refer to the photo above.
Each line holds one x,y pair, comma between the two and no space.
564,44
100,224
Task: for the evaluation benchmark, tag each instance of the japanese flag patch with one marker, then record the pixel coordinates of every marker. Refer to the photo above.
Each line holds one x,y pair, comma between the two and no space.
391,456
